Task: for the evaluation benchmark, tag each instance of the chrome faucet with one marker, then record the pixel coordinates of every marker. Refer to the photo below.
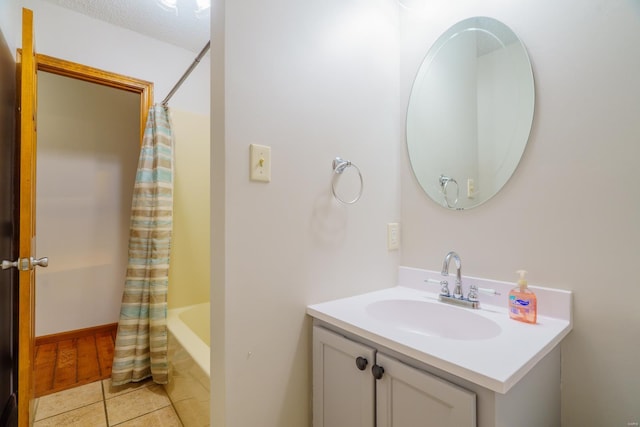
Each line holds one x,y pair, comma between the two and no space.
457,297
457,291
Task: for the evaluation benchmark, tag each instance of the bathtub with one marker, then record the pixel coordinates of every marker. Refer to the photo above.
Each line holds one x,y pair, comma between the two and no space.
189,363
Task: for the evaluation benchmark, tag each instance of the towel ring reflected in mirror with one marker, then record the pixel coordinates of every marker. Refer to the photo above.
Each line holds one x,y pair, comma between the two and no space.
444,183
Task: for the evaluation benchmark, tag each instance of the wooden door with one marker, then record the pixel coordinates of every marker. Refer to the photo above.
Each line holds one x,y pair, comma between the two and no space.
8,237
408,397
343,387
26,248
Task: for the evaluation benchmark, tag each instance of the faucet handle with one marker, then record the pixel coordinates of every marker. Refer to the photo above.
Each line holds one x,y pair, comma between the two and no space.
473,293
474,290
444,288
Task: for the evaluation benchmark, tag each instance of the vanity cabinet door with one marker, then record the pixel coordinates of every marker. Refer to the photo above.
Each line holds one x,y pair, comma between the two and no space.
408,397
343,387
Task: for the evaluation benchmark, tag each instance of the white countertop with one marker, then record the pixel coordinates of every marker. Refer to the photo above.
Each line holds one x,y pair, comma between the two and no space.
496,363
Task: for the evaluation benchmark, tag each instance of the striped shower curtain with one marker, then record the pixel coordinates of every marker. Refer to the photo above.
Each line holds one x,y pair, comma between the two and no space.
141,341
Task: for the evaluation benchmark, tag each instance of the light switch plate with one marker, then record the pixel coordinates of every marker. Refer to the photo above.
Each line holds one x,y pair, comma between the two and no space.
259,163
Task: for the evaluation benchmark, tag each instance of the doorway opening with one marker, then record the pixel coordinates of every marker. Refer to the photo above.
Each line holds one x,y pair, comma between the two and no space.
89,124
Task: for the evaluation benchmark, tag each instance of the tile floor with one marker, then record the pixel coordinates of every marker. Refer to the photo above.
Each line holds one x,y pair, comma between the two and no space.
98,404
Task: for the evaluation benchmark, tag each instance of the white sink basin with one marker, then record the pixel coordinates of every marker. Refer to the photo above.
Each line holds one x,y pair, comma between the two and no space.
435,319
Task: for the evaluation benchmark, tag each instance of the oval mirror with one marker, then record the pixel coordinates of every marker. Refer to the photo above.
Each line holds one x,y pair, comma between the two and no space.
470,113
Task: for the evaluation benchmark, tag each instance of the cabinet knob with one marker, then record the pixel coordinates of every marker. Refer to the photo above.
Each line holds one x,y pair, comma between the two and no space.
361,363
377,371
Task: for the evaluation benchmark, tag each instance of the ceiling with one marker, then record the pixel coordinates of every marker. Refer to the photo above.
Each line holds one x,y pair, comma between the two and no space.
182,27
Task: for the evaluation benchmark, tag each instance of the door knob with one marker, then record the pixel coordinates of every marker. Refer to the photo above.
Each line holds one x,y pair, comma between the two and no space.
40,262
8,264
24,264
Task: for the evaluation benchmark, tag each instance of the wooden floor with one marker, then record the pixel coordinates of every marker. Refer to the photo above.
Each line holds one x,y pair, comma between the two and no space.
70,359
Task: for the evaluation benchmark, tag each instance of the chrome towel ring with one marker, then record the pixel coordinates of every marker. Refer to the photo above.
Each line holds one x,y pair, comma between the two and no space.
339,165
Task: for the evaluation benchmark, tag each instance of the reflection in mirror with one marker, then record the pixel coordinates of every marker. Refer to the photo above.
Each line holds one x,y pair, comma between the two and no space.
470,113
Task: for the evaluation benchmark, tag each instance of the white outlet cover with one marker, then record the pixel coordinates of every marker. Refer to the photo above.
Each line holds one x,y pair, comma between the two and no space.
393,236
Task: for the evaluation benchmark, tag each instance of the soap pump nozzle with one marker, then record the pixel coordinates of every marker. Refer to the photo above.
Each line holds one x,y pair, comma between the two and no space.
522,282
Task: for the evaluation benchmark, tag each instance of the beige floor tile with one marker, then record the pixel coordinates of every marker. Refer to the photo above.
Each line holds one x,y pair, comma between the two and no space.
165,417
111,391
136,403
68,400
91,415
193,413
181,388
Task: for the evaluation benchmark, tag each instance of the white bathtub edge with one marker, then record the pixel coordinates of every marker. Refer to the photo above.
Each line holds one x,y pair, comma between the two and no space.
196,348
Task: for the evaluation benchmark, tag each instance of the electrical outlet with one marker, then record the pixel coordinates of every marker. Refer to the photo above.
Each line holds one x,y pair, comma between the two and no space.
471,188
393,236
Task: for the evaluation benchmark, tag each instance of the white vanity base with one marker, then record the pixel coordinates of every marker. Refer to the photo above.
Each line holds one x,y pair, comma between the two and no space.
533,402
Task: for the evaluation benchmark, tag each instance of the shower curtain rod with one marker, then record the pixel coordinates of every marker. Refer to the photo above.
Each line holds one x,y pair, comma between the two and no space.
186,74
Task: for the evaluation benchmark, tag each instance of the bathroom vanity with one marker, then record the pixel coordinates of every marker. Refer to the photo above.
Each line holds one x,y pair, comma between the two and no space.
401,358
418,354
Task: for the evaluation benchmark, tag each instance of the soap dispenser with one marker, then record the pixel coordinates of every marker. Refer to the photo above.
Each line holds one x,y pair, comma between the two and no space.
523,304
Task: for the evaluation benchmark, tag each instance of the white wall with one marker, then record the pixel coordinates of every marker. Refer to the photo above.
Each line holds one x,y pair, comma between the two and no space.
78,38
88,144
8,10
569,214
313,80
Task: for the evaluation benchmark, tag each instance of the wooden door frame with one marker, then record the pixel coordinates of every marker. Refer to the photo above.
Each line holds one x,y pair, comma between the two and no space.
106,78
